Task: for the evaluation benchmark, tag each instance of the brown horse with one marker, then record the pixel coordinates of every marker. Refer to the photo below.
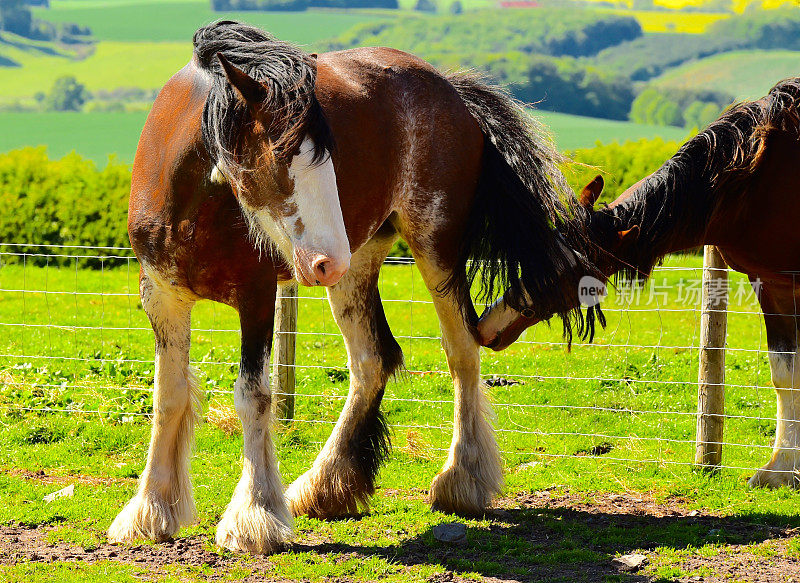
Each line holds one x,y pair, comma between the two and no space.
259,164
734,185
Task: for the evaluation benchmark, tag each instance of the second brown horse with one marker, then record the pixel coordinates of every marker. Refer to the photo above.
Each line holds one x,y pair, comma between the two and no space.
735,185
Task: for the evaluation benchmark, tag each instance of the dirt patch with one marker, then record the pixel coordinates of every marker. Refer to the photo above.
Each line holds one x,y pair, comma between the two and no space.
537,536
739,564
44,478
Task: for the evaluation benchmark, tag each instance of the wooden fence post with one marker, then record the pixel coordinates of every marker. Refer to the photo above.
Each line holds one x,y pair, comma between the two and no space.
283,350
711,377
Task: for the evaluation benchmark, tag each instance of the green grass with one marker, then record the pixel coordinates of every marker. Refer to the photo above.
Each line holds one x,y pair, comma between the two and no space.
625,368
744,74
93,135
148,20
575,131
98,135
89,354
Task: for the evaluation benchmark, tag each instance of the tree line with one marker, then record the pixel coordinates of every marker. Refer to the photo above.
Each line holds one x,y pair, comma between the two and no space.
584,62
16,17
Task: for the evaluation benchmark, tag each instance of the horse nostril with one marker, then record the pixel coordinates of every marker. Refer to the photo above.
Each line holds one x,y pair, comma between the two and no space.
321,268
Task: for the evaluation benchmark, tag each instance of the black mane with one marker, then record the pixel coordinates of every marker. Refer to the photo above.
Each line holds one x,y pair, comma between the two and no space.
287,72
677,201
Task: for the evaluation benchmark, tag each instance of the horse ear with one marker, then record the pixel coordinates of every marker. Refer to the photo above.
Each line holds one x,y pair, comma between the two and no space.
591,192
627,238
250,90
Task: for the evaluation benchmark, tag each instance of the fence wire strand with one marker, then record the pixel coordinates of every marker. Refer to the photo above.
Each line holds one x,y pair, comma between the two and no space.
63,318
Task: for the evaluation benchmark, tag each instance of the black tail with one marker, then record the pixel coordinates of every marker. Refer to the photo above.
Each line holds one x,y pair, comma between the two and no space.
522,236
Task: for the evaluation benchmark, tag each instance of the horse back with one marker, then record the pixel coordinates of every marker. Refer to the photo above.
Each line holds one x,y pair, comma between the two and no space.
405,142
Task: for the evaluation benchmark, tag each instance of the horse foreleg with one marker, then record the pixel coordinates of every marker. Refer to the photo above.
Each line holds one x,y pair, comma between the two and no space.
257,518
783,468
472,474
164,500
343,476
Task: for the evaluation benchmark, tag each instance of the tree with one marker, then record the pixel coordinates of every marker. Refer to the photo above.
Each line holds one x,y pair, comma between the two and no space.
456,7
15,17
425,6
66,95
668,114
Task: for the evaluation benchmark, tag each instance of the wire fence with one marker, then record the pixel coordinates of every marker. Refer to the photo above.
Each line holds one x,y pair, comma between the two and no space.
75,341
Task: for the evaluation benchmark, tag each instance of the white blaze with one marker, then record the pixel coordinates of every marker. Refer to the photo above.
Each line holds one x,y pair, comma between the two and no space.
317,198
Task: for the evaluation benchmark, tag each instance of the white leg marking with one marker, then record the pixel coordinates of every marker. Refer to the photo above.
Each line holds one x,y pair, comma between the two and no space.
472,474
257,518
164,499
783,468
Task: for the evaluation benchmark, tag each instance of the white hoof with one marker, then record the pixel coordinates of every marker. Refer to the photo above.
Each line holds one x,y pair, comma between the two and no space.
774,476
250,527
148,517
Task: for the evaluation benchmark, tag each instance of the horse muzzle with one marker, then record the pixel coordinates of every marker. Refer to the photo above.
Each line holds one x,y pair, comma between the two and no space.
500,325
319,268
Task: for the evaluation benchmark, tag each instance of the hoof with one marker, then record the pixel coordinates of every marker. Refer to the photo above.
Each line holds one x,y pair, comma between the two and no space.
457,491
148,517
250,527
325,494
773,477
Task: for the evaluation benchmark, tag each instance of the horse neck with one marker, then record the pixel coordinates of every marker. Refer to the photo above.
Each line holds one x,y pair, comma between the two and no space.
674,209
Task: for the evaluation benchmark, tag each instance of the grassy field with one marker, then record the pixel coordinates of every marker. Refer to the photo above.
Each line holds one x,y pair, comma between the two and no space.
176,20
575,131
99,135
615,417
113,64
93,135
745,74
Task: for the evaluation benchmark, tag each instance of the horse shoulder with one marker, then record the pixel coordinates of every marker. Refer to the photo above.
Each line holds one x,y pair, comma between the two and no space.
169,166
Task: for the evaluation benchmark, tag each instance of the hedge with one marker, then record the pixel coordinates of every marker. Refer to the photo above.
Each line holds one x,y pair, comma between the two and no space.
73,202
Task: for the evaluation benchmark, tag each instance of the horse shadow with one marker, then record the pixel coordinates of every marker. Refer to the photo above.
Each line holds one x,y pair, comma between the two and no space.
566,544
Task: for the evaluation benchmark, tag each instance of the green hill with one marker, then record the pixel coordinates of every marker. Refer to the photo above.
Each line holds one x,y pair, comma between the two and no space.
745,74
112,64
176,20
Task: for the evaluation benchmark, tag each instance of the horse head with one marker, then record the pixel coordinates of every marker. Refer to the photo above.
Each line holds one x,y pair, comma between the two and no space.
288,194
501,325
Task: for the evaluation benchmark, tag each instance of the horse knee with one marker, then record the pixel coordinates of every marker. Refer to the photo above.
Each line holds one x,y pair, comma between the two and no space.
251,401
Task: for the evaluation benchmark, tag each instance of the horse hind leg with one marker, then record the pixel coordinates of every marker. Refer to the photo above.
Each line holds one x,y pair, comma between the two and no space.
164,500
472,474
783,469
257,518
343,475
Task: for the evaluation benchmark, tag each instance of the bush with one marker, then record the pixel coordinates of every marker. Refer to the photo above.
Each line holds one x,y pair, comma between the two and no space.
15,17
567,86
62,202
679,107
72,202
620,164
425,6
